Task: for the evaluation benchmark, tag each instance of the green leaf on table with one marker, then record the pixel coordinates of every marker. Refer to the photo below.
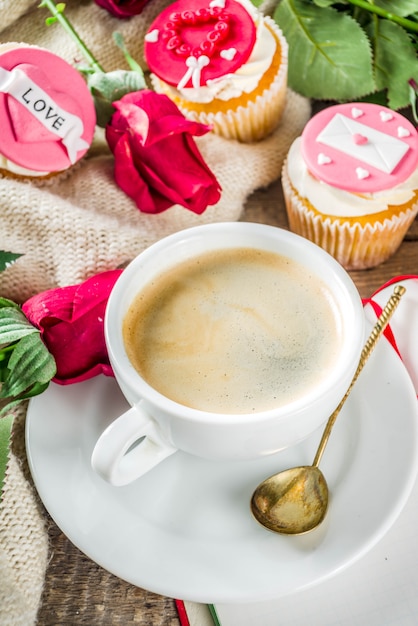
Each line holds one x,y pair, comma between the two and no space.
6,424
396,61
30,366
330,56
14,325
7,259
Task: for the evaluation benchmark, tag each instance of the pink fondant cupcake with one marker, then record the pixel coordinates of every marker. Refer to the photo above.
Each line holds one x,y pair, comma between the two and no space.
222,63
350,182
46,111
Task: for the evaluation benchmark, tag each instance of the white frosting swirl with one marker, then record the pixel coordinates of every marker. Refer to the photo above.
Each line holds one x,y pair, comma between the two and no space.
333,201
245,79
13,168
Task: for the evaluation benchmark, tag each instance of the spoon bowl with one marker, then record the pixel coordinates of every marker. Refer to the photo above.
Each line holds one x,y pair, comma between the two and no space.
295,500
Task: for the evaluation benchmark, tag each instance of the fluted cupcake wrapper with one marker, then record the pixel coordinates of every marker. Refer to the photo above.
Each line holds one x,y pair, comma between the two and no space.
355,246
246,124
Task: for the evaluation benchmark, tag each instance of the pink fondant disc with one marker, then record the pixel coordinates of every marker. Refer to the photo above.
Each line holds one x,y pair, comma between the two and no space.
24,139
166,38
360,147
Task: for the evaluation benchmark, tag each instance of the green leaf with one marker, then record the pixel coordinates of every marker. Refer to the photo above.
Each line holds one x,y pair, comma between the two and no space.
395,63
5,354
51,20
329,53
324,3
29,363
8,407
7,259
5,303
413,103
400,7
35,390
6,424
113,85
14,325
378,97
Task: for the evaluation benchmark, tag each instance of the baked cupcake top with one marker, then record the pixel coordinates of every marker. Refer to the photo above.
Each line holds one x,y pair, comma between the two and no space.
360,147
209,48
46,110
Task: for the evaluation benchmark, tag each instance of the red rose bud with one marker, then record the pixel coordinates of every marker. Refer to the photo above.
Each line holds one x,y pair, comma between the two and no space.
157,162
122,8
71,321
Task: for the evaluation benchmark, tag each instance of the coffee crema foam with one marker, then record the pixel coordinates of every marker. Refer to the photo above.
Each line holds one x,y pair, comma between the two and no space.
234,331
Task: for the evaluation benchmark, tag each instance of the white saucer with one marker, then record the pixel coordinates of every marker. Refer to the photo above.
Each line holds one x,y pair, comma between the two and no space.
185,529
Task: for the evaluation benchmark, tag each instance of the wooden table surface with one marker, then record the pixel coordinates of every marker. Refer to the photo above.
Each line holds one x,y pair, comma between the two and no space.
77,591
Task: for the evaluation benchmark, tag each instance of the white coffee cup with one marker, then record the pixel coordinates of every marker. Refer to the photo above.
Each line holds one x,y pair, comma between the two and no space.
156,426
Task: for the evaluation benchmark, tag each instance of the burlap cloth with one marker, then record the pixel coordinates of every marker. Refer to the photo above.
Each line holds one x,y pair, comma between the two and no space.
81,223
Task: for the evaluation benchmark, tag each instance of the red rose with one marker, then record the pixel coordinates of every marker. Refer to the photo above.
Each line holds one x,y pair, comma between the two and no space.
122,8
157,162
71,323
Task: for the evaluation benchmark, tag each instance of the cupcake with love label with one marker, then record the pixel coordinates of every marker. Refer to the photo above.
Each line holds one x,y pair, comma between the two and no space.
223,64
350,182
47,113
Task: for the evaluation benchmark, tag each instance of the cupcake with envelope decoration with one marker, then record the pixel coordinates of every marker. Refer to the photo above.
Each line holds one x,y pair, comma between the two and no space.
350,182
46,110
223,64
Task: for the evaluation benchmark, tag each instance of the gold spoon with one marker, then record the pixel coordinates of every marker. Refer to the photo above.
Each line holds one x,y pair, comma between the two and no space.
295,501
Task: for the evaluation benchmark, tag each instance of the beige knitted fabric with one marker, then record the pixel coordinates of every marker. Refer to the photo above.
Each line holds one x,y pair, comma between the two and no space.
81,223
23,541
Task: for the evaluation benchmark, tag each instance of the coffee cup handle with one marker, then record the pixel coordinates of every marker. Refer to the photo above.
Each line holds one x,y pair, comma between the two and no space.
129,447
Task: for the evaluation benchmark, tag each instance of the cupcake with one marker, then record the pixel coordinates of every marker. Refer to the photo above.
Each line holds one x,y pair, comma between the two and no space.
222,63
46,110
350,182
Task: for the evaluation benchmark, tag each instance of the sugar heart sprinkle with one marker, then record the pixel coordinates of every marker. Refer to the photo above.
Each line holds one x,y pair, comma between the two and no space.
152,36
362,173
323,159
403,132
356,112
228,54
385,117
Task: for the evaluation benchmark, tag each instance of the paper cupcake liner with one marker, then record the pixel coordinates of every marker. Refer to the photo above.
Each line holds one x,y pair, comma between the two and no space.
355,247
246,124
43,180
252,122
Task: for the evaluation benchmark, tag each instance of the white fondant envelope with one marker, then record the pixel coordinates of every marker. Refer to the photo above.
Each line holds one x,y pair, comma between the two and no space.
381,150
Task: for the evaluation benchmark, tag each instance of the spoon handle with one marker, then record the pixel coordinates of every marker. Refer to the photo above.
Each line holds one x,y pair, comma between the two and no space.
380,325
